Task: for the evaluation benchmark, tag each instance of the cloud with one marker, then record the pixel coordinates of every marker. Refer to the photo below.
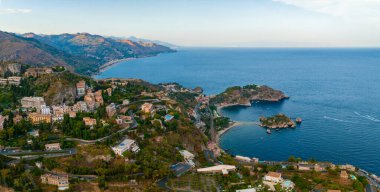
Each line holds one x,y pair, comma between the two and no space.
343,8
14,11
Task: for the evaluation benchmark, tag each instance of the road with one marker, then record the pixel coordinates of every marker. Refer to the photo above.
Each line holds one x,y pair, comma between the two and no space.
88,142
30,155
369,178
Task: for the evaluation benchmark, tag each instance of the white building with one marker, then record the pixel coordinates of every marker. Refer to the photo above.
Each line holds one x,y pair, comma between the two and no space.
243,159
53,147
246,190
224,169
126,145
45,110
273,177
34,133
187,155
125,102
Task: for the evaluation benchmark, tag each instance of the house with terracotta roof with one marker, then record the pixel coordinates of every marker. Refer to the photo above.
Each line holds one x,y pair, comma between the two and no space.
89,121
273,177
60,180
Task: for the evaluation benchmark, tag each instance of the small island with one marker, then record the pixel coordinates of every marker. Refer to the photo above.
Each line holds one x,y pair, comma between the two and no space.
277,121
245,95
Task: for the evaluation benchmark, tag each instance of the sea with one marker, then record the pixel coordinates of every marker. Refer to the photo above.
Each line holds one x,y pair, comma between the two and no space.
336,91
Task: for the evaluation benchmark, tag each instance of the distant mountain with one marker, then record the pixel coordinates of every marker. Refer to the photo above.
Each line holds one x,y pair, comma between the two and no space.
132,38
81,52
99,48
30,51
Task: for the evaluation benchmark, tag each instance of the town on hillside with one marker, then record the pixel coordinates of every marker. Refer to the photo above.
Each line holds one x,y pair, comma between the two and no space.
63,131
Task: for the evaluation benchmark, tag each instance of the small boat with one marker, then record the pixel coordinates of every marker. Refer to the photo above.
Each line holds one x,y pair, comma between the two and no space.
268,131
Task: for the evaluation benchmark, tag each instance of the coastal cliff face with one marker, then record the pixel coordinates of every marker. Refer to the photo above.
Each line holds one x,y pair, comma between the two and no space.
245,95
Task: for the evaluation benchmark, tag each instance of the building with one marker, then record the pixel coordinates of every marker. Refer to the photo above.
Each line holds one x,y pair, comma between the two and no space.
14,80
109,91
45,110
343,175
81,88
320,167
243,159
188,157
2,120
3,81
80,106
33,102
122,119
72,114
99,97
10,81
111,109
37,118
126,145
34,133
125,102
305,167
53,147
246,190
186,154
147,107
89,121
273,177
224,169
347,167
37,71
60,180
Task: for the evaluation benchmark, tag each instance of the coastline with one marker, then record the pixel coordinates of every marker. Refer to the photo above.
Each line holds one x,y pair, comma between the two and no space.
222,132
109,64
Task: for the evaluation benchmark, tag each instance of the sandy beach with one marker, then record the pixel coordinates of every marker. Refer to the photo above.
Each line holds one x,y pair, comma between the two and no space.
113,62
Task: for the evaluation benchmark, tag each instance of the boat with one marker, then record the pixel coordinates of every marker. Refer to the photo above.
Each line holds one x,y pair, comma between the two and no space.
268,131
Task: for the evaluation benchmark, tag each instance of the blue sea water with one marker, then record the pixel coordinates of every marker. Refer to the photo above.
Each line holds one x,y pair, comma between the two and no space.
335,91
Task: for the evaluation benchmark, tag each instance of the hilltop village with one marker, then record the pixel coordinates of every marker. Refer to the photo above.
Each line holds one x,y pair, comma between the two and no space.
62,131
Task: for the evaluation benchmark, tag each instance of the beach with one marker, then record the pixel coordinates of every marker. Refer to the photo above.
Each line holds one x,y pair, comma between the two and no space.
109,64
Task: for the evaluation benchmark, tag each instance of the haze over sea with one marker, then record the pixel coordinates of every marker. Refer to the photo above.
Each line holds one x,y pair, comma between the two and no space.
335,91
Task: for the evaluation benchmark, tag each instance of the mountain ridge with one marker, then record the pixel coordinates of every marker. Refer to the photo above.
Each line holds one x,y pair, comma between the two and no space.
84,53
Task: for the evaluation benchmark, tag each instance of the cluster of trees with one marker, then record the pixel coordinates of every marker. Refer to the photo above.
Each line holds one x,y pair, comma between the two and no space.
221,122
75,127
17,178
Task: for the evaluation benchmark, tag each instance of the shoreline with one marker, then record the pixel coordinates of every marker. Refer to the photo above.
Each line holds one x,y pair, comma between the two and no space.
220,133
109,64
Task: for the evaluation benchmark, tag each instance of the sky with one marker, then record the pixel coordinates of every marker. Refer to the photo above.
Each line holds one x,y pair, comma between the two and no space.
206,23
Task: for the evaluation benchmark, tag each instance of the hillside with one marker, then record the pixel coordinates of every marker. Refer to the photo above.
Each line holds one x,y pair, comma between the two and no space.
29,51
99,48
82,52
